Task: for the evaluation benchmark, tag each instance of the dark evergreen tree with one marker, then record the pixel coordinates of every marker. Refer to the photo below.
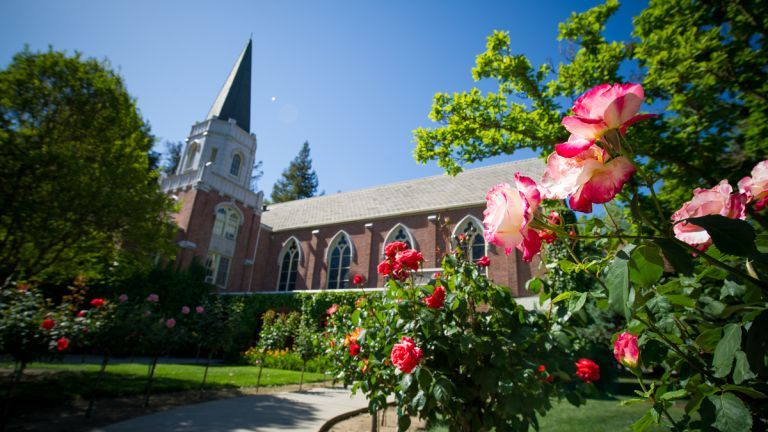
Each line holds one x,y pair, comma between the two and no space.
299,179
173,156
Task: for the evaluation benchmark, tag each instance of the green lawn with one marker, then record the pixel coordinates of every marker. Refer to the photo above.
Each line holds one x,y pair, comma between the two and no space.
598,415
72,380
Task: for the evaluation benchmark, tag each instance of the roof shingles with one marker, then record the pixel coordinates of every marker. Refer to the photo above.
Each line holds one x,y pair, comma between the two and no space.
413,196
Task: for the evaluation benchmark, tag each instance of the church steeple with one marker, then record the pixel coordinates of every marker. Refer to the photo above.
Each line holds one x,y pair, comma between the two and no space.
234,99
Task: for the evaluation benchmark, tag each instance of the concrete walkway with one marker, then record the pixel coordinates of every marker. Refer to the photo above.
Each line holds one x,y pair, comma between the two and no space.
298,411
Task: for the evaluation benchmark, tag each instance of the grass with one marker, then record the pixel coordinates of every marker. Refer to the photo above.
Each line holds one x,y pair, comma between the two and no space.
598,415
64,381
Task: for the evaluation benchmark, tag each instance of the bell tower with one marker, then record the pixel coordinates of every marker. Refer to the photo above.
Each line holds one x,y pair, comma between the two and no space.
218,210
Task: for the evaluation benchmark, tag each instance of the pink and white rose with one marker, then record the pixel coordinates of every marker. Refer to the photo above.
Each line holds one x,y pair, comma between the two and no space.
509,211
755,188
590,177
720,200
625,350
601,109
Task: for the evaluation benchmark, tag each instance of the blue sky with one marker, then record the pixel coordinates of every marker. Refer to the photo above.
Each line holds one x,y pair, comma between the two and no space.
353,78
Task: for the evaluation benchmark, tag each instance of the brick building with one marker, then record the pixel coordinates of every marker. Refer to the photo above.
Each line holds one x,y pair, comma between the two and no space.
321,242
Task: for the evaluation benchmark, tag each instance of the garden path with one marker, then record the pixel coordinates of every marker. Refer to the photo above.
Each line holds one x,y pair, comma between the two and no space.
297,411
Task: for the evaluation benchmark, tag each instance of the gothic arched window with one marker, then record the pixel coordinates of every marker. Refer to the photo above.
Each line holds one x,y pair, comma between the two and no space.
399,233
339,258
472,230
289,264
227,222
234,169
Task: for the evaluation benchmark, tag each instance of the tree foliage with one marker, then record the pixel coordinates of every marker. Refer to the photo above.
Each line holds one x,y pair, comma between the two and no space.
173,152
299,180
78,195
702,63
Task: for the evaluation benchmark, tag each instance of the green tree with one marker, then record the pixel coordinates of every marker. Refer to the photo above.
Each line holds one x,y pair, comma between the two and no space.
299,179
173,156
702,63
78,193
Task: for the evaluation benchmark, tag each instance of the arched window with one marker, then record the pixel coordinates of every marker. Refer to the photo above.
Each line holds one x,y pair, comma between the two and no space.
400,233
192,152
472,229
234,169
339,258
227,222
217,269
289,264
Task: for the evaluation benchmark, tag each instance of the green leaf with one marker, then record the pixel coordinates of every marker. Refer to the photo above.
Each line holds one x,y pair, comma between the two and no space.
355,317
419,401
741,371
731,236
405,382
567,266
680,259
726,349
563,296
681,300
754,394
534,285
731,415
732,289
617,280
440,390
674,395
632,401
644,422
757,344
645,265
577,302
708,339
403,422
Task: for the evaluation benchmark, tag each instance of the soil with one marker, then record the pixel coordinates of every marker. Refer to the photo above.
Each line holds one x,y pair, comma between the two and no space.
71,417
387,422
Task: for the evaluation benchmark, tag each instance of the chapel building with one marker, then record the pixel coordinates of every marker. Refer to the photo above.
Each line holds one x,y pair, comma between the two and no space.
321,242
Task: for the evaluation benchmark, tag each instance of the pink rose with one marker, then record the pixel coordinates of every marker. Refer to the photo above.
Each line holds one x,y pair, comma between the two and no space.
591,177
153,298
436,300
410,259
483,262
332,310
406,355
391,249
508,213
716,201
625,349
185,310
601,109
199,309
756,187
123,298
170,323
587,370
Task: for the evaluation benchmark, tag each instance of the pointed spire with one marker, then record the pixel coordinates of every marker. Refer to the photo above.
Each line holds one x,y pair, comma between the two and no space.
234,99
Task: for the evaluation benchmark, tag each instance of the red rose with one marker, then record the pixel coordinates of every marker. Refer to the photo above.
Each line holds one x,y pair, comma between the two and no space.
384,268
82,314
406,355
48,324
587,370
357,279
547,235
483,262
97,302
62,344
542,368
393,248
399,273
354,349
410,259
436,300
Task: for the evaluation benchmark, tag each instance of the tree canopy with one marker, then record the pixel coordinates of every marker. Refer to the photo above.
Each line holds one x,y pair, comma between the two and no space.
79,192
299,180
703,63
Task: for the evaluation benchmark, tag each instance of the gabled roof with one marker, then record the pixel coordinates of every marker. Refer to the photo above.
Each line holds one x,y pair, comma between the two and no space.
234,99
413,196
